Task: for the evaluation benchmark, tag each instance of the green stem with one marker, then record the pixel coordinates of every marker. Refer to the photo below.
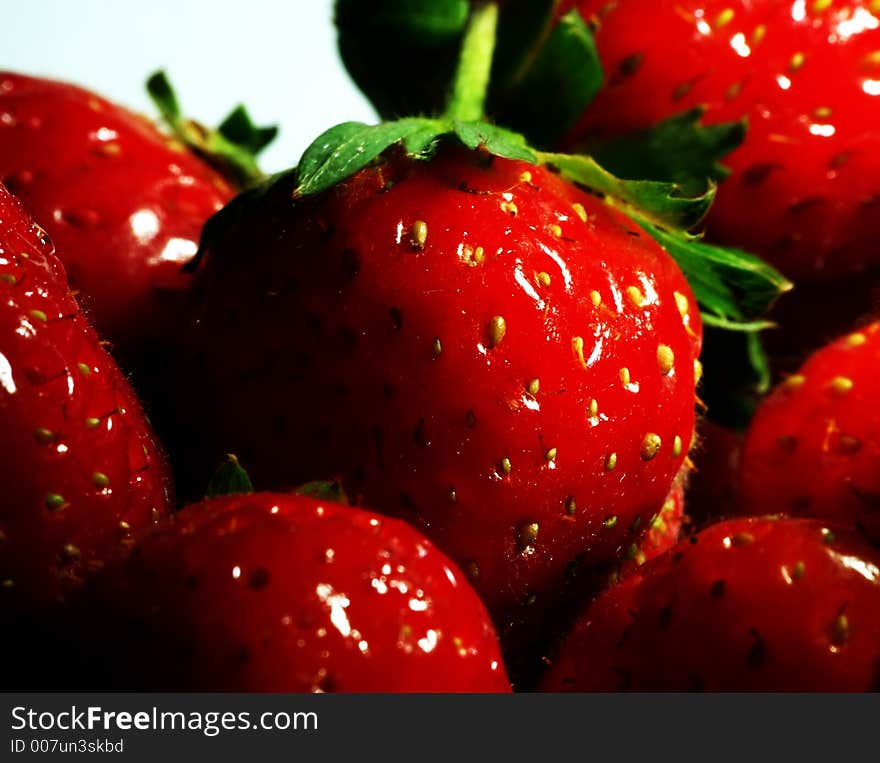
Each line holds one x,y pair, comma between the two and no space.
474,65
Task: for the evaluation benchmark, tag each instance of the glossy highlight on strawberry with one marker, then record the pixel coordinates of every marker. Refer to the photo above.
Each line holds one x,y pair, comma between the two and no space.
806,181
756,604
470,343
123,202
81,468
813,448
282,592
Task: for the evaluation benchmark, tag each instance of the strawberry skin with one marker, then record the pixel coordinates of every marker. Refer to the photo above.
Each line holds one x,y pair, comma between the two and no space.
813,448
746,605
81,469
472,344
123,203
806,182
280,592
663,531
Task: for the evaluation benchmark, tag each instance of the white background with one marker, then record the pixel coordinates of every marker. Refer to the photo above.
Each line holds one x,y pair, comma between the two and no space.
277,57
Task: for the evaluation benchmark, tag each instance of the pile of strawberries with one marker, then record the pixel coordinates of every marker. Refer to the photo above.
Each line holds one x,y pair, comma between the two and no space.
458,355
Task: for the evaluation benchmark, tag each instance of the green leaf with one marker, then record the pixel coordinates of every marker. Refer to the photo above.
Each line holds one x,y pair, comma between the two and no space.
239,128
402,53
678,149
229,479
496,140
231,149
553,86
732,287
664,204
324,491
349,147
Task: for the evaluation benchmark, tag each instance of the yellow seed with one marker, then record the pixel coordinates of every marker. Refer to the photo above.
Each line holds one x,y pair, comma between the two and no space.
795,381
101,480
873,58
550,455
822,112
724,18
798,570
124,526
39,315
635,296
625,377
92,422
595,298
797,61
533,386
570,506
758,34
84,369
527,535
8,278
698,371
436,347
418,234
821,5
594,408
497,330
543,278
681,302
526,177
650,445
70,553
610,522
44,436
840,385
54,501
577,345
506,466
676,447
556,230
840,630
579,209
856,340
665,359
610,462
509,207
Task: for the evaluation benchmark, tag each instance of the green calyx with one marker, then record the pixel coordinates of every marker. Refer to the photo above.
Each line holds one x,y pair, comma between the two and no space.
232,148
324,491
229,479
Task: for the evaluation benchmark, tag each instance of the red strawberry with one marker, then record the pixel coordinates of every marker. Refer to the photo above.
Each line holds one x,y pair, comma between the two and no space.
123,202
813,448
664,530
81,470
806,182
280,592
471,343
748,604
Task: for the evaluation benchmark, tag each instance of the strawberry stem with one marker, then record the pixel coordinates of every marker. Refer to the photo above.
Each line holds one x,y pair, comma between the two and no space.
471,80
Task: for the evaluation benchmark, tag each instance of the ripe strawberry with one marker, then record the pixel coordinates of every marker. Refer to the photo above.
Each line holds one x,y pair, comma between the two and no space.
471,343
813,447
664,530
282,592
81,469
748,604
123,202
806,75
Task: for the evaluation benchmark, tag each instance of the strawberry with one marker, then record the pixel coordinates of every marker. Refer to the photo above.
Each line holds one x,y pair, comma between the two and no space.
805,183
81,469
471,343
664,530
124,202
284,592
747,604
813,447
